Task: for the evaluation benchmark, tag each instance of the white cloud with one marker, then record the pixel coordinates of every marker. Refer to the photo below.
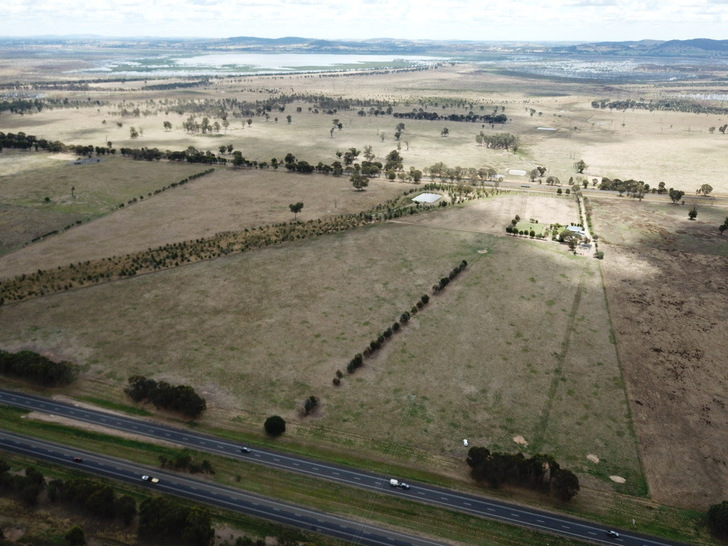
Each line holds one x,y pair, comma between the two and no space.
429,19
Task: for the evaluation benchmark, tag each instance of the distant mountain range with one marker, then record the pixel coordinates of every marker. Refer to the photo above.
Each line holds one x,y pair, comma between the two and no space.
699,47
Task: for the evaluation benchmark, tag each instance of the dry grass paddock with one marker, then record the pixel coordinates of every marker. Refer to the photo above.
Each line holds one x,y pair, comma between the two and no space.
226,200
672,147
523,351
258,333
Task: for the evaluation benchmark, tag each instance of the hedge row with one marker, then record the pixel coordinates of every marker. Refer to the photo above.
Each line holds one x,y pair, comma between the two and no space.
358,360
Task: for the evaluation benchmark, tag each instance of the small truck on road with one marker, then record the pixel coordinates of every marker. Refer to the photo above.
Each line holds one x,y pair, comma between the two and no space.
397,483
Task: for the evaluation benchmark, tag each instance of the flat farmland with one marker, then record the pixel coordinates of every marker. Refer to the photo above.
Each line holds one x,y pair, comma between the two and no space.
531,368
42,193
226,200
614,366
660,146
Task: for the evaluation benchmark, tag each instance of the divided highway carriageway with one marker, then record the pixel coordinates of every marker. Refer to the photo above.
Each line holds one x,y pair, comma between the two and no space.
419,492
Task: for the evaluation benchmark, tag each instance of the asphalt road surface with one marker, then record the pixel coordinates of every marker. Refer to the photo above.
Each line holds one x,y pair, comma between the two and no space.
463,502
210,493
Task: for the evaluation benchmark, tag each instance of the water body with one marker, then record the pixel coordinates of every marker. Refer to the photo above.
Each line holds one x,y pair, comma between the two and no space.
254,63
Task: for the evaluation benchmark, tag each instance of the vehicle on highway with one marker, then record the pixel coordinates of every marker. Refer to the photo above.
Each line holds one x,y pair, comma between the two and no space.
404,485
245,449
397,483
77,460
614,534
150,479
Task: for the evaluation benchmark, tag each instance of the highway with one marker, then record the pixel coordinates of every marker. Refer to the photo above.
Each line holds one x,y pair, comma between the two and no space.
210,493
453,500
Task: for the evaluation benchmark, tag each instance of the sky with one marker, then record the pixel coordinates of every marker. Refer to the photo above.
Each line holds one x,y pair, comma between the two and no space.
510,20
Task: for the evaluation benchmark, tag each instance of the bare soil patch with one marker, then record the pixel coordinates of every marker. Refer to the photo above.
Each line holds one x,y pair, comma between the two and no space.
657,223
668,310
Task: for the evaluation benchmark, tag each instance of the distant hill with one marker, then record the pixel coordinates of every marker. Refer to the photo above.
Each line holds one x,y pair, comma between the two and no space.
699,47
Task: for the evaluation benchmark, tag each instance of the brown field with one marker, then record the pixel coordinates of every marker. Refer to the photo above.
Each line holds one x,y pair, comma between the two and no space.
615,367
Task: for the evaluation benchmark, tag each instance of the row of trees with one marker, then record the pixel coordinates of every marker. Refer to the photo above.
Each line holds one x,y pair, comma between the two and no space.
37,368
675,105
165,188
460,174
471,117
171,255
180,398
358,360
539,472
21,141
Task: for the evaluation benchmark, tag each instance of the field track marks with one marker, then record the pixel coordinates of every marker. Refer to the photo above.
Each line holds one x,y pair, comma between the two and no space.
543,422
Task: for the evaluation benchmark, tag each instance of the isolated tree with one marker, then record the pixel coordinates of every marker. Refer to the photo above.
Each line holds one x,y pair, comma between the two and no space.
288,118
675,195
359,181
275,425
580,166
693,212
718,519
295,209
167,125
724,226
350,156
133,133
310,404
368,153
705,189
394,161
445,132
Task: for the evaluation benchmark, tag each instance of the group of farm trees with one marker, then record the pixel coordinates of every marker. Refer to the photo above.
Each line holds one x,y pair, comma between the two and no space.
539,472
182,460
95,498
165,519
25,487
498,141
21,141
181,398
37,368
